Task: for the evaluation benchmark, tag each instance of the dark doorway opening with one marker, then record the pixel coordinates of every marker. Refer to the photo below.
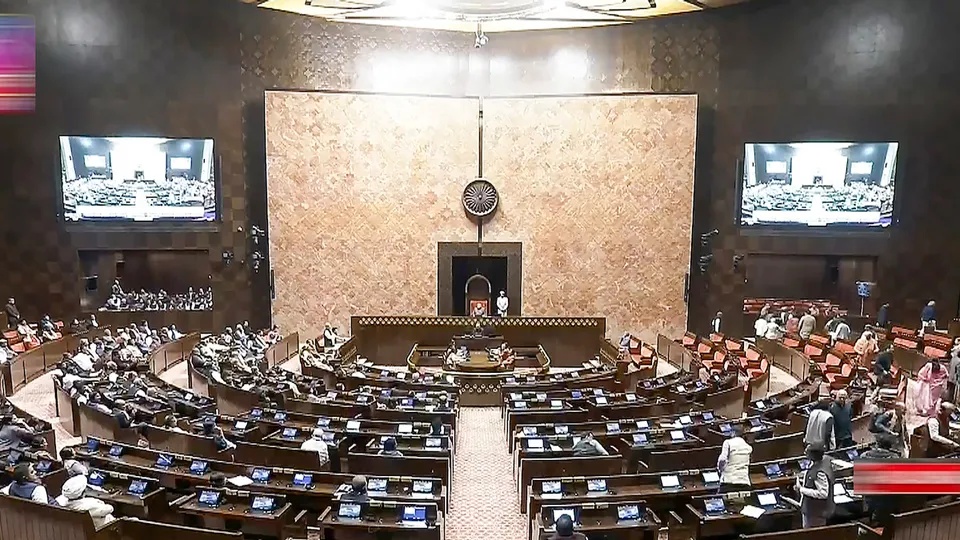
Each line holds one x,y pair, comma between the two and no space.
492,268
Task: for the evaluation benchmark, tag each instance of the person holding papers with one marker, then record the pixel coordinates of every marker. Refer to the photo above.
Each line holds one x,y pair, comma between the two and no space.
815,486
734,461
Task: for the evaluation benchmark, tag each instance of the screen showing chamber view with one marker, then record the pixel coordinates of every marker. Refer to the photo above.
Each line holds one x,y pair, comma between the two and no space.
137,179
818,184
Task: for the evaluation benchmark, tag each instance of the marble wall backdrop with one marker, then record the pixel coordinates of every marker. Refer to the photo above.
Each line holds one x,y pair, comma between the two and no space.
360,190
600,191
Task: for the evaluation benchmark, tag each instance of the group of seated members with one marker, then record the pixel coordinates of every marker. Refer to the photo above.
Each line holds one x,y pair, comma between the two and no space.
25,336
153,450
160,300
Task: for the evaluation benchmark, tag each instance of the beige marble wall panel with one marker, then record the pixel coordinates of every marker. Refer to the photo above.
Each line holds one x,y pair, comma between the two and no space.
600,191
360,190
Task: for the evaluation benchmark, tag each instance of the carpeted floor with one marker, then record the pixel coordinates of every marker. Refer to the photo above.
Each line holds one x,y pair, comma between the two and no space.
485,501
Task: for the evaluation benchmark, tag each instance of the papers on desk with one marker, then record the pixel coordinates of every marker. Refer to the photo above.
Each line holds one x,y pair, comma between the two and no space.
555,448
415,495
841,465
240,481
551,495
842,499
751,511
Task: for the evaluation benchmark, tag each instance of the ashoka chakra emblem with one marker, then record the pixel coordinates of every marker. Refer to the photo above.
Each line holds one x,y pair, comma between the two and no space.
480,198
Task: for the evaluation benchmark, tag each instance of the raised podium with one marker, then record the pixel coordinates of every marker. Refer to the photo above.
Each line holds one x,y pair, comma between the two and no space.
477,343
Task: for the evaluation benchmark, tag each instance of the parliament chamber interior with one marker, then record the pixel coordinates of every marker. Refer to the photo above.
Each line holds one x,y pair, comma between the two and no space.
451,269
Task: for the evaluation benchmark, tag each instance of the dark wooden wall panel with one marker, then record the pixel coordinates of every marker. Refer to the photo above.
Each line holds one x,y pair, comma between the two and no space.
772,69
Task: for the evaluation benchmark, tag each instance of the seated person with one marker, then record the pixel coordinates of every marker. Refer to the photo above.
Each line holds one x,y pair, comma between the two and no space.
443,403
26,485
27,334
588,446
170,422
6,353
436,427
390,448
938,429
218,480
72,497
71,465
316,444
703,374
564,530
358,491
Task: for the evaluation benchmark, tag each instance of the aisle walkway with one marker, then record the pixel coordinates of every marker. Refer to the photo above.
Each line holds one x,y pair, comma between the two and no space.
484,502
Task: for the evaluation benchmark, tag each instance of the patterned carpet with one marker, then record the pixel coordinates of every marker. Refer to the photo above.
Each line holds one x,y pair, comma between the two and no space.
485,500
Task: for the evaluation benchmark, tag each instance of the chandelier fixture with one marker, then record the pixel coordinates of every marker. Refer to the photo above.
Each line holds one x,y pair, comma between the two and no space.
494,15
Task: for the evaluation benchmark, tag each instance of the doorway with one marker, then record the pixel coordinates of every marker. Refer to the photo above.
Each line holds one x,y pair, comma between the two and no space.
495,266
479,278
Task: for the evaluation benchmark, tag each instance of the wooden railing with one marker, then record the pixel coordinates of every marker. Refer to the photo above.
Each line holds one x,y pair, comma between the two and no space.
170,354
282,350
29,365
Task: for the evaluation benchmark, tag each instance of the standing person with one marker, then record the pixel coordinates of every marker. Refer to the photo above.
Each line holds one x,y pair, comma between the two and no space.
503,303
883,316
883,367
716,322
841,332
820,426
760,326
953,370
808,323
928,317
881,506
815,486
793,323
866,347
734,461
933,382
774,331
842,412
13,314
892,423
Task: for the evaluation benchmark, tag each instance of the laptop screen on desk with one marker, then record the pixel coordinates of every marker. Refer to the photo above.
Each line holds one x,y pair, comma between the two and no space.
280,417
209,497
535,443
773,469
576,394
422,486
323,421
240,425
561,430
405,428
198,466
414,513
137,487
256,413
302,479
115,451
596,484
164,461
767,499
707,416
96,479
529,431
550,486
406,402
377,484
433,442
92,445
628,512
263,504
676,435
261,475
349,511
670,481
601,400
353,425
613,427
289,433
805,464
711,477
714,506
639,438
44,466
643,424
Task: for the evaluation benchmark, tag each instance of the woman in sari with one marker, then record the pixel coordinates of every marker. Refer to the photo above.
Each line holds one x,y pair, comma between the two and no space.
933,382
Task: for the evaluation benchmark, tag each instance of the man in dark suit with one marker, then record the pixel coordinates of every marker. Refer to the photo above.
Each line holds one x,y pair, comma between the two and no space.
13,314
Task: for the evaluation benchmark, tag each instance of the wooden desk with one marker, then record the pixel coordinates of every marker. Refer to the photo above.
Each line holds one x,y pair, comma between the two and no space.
477,343
730,522
236,510
377,520
151,505
600,520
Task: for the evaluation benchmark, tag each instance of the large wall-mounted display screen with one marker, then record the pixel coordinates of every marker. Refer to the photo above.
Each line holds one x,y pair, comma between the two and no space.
137,179
818,184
